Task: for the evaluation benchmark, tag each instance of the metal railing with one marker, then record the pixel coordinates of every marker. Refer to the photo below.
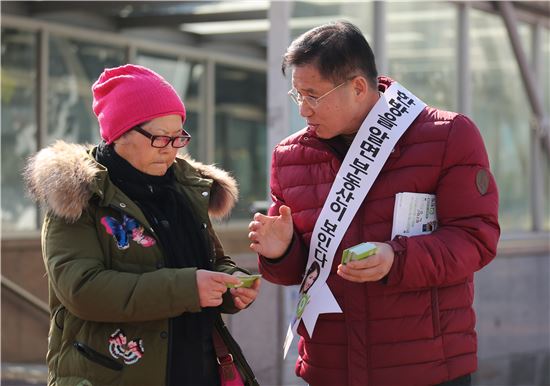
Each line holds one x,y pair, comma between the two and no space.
25,295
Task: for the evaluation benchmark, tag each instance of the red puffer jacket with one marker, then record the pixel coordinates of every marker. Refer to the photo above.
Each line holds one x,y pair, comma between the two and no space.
415,327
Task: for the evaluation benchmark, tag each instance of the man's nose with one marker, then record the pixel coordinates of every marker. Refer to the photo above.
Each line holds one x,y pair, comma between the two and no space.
305,109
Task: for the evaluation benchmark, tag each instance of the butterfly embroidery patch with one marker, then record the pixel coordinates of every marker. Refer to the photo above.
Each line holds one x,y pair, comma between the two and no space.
130,351
129,229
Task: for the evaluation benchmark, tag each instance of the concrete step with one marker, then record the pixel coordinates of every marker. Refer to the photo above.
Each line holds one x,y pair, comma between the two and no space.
23,374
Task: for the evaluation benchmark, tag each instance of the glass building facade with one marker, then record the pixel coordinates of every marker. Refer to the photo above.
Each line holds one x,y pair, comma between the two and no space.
47,75
19,126
422,52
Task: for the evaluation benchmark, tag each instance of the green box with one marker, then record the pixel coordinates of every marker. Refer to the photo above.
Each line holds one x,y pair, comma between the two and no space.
246,281
358,252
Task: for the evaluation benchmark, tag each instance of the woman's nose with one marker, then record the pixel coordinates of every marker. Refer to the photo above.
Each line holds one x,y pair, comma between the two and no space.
168,149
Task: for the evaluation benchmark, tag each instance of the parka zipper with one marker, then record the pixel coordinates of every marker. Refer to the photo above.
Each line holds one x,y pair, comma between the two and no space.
97,357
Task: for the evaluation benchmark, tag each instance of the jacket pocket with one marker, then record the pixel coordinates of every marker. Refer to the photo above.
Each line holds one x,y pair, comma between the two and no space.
435,312
96,357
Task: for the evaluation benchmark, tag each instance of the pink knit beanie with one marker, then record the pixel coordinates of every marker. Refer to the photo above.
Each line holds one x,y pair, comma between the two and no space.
128,95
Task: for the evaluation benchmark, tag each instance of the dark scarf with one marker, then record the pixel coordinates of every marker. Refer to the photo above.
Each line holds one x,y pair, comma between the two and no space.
184,244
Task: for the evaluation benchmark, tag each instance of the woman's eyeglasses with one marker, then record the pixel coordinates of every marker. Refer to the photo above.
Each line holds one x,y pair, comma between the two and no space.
160,141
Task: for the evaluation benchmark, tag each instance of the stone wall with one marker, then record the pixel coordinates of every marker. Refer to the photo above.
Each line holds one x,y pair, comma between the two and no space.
24,327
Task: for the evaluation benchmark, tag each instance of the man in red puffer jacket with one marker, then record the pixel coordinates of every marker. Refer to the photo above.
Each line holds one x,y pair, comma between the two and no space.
407,316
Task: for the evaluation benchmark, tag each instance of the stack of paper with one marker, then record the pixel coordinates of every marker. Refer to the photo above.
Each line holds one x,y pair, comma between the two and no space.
414,214
358,252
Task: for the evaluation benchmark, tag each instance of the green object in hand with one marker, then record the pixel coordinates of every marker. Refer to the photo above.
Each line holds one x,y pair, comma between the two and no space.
246,281
358,252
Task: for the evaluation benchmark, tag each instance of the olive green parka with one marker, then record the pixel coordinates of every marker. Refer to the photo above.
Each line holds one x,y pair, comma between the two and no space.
110,294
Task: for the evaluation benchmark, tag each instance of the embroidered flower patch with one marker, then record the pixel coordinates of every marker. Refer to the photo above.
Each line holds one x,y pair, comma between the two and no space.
130,351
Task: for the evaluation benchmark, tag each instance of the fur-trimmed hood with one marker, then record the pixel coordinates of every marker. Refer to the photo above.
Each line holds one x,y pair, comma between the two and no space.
63,177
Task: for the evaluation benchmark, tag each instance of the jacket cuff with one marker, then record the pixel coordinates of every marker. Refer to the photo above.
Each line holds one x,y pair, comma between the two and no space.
188,291
399,246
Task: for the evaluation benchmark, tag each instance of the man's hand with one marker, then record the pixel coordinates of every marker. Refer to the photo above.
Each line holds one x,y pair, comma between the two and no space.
372,268
242,297
212,285
271,235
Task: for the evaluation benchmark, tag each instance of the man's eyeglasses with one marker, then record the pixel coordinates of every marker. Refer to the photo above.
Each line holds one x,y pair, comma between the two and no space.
160,141
311,101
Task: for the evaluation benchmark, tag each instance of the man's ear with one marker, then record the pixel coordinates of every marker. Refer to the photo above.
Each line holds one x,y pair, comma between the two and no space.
360,86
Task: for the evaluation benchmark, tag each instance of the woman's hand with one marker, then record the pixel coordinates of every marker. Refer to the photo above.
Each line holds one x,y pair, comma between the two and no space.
242,297
212,285
271,235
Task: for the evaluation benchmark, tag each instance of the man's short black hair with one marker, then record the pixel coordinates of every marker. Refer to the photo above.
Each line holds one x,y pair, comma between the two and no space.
338,50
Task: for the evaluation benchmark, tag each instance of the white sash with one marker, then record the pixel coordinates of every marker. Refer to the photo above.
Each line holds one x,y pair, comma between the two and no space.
390,117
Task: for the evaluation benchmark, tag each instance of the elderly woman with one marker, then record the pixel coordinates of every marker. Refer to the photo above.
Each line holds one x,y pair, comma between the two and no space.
137,277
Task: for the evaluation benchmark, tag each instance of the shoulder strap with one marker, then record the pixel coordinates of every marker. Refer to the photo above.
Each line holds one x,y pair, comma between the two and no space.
221,334
224,357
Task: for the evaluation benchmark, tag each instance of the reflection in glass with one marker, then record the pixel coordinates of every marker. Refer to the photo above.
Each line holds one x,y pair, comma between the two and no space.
186,77
73,67
18,126
421,50
501,110
241,132
356,12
